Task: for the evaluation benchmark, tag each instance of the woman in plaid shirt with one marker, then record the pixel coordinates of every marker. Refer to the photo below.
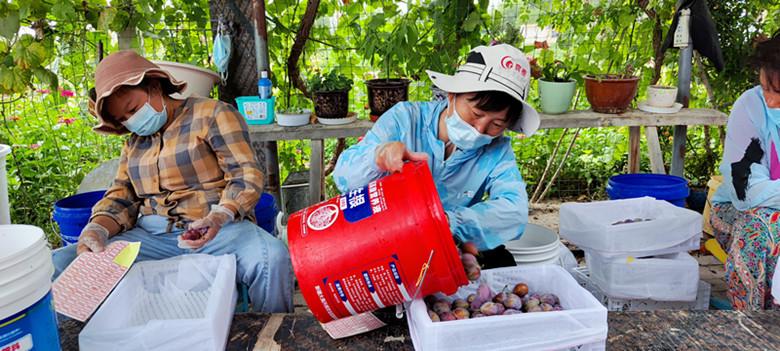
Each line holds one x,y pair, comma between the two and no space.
187,164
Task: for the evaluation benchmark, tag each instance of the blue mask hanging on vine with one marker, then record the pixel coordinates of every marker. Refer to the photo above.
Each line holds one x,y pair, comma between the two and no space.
222,49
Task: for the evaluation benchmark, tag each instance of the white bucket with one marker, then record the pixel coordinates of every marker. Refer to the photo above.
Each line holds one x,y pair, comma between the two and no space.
199,80
27,316
538,245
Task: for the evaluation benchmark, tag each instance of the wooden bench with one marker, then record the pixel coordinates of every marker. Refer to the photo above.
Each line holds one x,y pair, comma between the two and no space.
633,119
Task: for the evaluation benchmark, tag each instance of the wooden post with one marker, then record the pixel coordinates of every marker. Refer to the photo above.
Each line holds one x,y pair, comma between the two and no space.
315,171
634,135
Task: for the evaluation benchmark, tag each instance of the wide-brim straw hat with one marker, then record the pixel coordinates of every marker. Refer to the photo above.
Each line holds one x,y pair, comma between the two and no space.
124,68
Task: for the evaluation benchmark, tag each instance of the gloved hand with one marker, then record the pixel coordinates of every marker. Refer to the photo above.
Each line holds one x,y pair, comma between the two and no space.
212,223
390,156
93,238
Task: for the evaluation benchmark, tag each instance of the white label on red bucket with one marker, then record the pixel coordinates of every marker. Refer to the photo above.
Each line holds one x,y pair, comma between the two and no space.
22,344
323,217
363,202
371,288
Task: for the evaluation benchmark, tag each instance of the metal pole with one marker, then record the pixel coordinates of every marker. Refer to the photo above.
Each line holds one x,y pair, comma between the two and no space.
261,56
683,93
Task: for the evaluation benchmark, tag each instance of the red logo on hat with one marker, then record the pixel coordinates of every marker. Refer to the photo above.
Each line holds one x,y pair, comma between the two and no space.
506,62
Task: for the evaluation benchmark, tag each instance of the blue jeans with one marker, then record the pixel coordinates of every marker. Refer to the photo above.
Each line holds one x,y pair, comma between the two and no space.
262,261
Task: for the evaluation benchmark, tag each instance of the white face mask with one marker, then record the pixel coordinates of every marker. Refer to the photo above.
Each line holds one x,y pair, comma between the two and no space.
463,135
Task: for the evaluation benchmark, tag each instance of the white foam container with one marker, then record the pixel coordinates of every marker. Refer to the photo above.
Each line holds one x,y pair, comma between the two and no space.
671,229
181,303
671,277
701,303
582,324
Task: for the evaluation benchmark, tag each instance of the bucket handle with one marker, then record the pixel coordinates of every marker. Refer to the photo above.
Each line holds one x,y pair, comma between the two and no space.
399,310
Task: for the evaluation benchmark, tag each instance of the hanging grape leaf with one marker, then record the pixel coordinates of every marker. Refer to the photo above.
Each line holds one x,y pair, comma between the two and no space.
64,11
13,80
28,53
9,24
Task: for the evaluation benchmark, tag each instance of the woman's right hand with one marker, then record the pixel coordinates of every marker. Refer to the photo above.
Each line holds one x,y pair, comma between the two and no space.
93,238
390,156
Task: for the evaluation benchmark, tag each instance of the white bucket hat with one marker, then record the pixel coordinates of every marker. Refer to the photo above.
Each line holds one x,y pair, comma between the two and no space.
494,68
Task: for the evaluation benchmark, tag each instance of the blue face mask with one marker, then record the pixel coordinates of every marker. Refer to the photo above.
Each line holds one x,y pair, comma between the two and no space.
146,121
221,55
462,134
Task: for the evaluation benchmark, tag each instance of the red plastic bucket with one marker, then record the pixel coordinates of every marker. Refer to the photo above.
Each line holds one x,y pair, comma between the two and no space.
367,249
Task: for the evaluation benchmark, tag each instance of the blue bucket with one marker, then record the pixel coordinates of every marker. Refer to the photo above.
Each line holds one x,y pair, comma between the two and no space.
265,212
72,214
660,186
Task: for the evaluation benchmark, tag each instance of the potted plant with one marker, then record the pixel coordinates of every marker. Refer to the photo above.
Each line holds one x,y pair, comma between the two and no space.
392,50
557,86
331,94
291,114
611,93
385,93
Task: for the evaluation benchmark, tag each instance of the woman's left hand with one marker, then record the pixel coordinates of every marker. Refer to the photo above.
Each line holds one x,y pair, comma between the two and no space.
214,221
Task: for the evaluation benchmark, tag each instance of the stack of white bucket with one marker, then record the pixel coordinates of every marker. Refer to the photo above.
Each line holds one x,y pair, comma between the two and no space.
636,252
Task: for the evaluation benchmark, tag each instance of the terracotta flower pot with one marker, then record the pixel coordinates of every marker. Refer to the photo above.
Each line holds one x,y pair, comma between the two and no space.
384,93
331,104
609,93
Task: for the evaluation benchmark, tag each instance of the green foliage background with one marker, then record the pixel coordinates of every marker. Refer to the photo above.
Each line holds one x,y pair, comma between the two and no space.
48,45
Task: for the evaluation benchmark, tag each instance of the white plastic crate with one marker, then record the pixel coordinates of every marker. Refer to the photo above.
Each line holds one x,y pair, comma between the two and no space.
672,277
701,303
181,303
591,226
582,325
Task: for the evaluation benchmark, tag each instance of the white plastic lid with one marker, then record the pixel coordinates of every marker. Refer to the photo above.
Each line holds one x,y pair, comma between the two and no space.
264,74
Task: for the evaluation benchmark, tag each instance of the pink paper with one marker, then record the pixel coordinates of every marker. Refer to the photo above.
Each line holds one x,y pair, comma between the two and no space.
349,326
88,281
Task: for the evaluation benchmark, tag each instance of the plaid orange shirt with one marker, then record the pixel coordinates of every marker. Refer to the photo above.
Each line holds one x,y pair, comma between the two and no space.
204,157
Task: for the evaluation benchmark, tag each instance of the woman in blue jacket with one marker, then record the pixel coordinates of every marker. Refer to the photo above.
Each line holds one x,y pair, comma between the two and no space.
472,162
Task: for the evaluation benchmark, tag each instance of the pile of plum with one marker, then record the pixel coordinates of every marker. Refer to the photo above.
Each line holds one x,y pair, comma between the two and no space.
485,303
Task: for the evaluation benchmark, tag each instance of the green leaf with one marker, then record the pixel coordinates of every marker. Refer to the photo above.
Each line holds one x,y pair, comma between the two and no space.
64,11
120,21
106,18
472,21
9,25
28,53
13,80
46,77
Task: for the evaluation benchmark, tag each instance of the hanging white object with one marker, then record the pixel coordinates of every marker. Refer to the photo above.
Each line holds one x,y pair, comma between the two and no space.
682,35
222,49
5,210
